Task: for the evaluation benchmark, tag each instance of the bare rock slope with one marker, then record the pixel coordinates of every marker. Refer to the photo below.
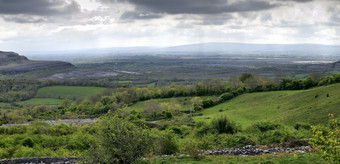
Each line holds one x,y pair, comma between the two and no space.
7,58
12,63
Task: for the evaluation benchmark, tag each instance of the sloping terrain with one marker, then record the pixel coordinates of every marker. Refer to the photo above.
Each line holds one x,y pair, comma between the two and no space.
290,107
8,58
11,64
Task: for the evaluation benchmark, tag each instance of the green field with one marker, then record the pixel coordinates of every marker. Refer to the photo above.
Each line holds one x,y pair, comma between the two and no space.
55,95
4,104
43,101
70,92
289,107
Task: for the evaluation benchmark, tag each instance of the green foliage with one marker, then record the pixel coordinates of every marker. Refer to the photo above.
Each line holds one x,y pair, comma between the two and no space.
119,141
17,89
224,125
192,148
244,77
197,103
28,142
328,144
264,126
168,144
66,103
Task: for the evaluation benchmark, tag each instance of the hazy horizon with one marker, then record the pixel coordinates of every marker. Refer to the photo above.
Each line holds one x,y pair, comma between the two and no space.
68,25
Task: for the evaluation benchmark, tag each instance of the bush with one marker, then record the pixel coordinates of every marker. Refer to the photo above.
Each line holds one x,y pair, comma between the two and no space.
168,144
28,142
119,141
264,126
227,96
192,148
236,140
328,144
223,125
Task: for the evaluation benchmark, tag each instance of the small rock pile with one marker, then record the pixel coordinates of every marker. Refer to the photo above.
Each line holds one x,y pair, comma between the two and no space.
252,150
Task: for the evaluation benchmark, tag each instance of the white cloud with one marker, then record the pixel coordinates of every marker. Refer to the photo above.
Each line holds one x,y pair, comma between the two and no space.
101,25
331,33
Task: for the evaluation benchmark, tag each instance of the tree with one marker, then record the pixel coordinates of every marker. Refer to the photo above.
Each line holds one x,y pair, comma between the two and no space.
328,144
152,108
197,103
66,103
119,141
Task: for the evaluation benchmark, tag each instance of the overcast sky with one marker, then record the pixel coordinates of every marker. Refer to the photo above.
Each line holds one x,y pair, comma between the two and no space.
42,25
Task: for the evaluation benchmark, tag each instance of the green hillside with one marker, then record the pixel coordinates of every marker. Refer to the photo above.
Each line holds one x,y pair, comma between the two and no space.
289,107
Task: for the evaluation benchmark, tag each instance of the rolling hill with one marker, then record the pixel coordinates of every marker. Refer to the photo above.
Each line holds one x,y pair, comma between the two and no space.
289,107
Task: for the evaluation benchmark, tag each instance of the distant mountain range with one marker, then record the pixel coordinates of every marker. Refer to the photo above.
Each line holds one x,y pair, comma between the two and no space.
191,49
302,49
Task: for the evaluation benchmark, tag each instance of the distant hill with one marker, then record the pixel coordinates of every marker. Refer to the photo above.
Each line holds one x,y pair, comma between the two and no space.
216,48
8,58
267,49
12,63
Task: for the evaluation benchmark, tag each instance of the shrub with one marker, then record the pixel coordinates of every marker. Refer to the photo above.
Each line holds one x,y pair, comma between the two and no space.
227,96
264,126
235,140
328,144
192,148
223,125
168,144
208,102
119,141
299,126
28,142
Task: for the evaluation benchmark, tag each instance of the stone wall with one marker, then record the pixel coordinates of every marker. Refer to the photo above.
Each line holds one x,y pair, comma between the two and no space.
40,160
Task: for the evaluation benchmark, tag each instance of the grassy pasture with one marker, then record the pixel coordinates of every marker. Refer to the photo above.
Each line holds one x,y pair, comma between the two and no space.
70,92
43,101
54,95
288,107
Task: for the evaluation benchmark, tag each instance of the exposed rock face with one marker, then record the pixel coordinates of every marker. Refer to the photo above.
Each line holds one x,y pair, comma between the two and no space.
11,63
7,58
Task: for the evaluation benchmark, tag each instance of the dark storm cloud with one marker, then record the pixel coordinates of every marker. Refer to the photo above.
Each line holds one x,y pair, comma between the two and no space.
199,6
302,1
23,19
37,7
139,15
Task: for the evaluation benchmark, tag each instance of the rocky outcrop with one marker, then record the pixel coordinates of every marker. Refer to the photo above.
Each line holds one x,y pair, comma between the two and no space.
7,58
40,160
53,66
252,150
11,63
